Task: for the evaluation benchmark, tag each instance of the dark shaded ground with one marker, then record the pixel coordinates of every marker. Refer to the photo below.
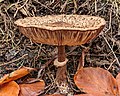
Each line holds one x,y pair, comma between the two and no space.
16,50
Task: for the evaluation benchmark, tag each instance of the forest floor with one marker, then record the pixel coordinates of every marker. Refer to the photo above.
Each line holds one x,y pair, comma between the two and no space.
16,50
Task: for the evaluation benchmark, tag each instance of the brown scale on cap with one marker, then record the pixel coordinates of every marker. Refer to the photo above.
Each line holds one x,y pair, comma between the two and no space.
61,30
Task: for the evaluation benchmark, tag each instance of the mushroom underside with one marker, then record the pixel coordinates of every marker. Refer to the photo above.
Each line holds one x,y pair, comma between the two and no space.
59,37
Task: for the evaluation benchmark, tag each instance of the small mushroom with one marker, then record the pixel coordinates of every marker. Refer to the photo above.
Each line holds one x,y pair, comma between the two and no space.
61,30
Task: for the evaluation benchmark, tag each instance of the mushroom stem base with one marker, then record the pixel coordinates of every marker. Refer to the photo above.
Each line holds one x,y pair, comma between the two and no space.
61,76
61,73
61,80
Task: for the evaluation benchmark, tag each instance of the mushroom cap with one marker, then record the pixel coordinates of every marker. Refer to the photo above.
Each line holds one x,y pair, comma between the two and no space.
61,29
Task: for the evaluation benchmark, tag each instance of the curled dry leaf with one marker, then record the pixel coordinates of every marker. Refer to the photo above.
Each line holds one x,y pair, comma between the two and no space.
96,81
85,95
55,95
16,74
70,95
118,81
9,89
31,89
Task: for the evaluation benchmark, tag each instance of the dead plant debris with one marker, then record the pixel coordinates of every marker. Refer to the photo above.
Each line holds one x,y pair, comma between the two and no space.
16,50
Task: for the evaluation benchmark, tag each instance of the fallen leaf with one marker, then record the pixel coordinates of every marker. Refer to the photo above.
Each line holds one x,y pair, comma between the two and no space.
55,95
96,81
31,89
9,89
16,74
85,95
118,81
70,95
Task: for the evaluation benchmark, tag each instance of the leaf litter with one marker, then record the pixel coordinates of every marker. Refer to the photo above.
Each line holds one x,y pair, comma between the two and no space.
104,51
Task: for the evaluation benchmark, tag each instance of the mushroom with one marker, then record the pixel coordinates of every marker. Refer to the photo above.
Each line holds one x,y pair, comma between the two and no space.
61,30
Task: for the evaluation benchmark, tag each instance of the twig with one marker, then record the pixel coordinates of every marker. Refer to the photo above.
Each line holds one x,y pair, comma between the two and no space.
63,6
3,64
4,17
95,6
75,6
81,60
2,31
83,4
111,64
109,21
44,66
43,5
18,8
101,8
111,50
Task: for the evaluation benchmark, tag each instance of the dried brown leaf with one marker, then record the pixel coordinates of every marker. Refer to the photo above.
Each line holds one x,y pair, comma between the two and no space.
85,95
55,95
96,81
74,95
118,81
16,74
31,89
9,89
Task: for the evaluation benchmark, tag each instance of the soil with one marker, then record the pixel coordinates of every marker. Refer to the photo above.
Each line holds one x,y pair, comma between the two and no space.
16,50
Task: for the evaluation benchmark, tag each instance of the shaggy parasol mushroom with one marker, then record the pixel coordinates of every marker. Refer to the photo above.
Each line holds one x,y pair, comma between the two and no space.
61,30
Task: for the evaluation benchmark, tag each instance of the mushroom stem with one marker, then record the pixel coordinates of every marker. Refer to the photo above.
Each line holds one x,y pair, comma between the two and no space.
61,77
61,53
61,72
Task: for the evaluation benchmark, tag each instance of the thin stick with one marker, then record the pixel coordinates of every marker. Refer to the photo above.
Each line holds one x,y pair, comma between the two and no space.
18,8
81,60
63,6
111,50
75,6
13,60
111,64
44,66
95,6
43,5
